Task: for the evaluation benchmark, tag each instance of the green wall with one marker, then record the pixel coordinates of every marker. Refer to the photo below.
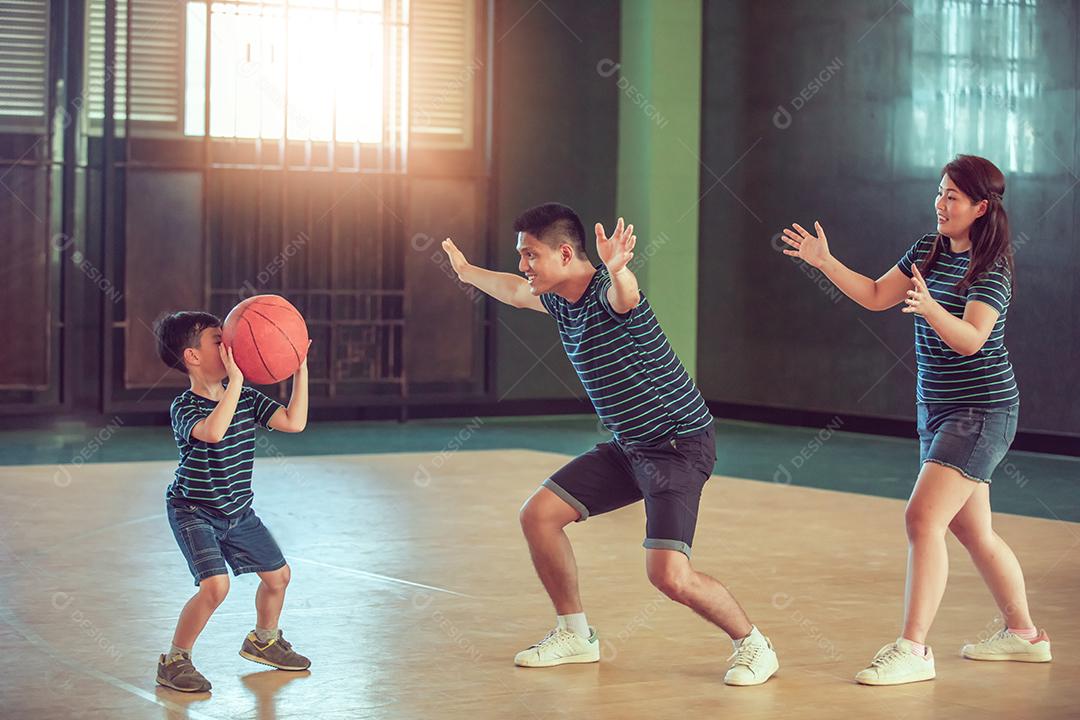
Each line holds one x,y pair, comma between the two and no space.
659,145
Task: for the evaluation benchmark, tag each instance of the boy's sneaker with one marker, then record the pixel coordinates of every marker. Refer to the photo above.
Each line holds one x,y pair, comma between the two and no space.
896,664
276,653
177,672
1004,645
559,647
753,662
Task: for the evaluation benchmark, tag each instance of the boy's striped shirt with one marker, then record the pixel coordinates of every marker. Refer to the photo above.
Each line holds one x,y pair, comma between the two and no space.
217,476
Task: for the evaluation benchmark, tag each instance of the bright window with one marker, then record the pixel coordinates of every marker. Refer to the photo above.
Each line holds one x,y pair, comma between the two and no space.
326,65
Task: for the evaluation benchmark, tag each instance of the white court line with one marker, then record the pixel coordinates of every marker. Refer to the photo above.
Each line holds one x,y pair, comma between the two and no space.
382,578
248,613
351,571
91,533
34,639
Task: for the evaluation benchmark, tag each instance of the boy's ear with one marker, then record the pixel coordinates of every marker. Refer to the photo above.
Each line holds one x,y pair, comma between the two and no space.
191,356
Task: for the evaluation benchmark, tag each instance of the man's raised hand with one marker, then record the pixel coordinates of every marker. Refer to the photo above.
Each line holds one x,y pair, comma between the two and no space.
618,250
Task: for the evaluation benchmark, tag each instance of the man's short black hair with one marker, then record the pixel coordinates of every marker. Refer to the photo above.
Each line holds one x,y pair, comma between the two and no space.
179,331
553,224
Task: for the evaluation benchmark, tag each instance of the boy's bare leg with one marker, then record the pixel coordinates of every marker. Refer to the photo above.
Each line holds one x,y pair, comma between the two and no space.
199,608
270,596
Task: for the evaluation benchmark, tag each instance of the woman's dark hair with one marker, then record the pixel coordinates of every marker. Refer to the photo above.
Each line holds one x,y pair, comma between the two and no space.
991,243
179,331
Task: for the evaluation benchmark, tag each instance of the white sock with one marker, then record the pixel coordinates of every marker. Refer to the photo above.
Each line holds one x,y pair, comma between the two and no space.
738,642
266,634
174,650
576,623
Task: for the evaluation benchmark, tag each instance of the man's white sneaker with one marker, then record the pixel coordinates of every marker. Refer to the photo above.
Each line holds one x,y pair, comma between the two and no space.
1004,645
896,664
753,662
559,647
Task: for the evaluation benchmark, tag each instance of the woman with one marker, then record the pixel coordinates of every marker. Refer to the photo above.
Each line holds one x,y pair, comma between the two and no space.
957,283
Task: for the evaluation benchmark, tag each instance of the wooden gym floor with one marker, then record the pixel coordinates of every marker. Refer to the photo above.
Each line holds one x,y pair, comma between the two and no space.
412,590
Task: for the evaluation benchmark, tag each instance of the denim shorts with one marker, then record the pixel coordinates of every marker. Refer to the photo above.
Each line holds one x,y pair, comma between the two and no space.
967,438
209,540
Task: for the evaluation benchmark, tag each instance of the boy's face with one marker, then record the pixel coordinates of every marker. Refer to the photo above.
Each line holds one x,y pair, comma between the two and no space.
205,356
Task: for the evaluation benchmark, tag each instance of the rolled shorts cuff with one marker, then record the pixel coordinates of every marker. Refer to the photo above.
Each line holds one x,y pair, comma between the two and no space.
659,544
583,512
960,470
212,572
259,568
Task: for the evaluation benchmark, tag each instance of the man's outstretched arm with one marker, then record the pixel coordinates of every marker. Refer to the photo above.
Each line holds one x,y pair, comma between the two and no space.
504,287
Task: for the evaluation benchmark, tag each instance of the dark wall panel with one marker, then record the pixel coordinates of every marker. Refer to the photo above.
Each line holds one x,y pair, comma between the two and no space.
846,111
163,265
444,334
556,134
25,322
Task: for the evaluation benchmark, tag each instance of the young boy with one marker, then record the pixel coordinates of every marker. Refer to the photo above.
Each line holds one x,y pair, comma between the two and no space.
209,501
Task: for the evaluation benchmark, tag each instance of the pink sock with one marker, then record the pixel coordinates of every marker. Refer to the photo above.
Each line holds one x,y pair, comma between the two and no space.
1026,633
917,648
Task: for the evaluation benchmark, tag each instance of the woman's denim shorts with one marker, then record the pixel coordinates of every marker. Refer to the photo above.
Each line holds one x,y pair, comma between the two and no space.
967,438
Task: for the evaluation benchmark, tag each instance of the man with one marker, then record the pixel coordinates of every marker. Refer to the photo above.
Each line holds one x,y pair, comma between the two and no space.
663,448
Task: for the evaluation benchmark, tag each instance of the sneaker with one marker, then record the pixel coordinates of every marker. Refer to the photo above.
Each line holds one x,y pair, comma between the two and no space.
1004,645
559,647
896,664
177,672
753,662
275,653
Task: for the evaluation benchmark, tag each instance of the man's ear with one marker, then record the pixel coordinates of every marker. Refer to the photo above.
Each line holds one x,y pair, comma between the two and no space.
566,254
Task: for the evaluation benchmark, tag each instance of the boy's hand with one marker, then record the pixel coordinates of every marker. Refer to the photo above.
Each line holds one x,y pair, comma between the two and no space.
303,363
618,250
457,258
233,371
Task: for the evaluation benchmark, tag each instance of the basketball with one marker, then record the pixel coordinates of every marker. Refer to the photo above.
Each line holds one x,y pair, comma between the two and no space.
268,337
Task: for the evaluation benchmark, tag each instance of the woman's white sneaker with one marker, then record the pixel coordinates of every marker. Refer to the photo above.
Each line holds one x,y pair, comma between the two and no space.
1004,645
896,664
753,662
559,647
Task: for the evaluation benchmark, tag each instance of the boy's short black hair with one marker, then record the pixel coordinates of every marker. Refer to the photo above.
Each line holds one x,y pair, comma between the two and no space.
553,224
179,331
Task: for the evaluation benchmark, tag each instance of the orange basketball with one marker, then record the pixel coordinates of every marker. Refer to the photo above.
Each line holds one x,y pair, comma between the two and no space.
268,337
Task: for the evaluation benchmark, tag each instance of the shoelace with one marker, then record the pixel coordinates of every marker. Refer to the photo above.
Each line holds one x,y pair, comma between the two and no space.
887,655
746,654
557,637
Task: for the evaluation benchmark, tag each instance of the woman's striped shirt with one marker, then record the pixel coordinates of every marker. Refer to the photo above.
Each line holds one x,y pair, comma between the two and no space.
945,376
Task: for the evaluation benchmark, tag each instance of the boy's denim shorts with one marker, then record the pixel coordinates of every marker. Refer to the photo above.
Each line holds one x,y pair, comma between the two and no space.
209,540
967,438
